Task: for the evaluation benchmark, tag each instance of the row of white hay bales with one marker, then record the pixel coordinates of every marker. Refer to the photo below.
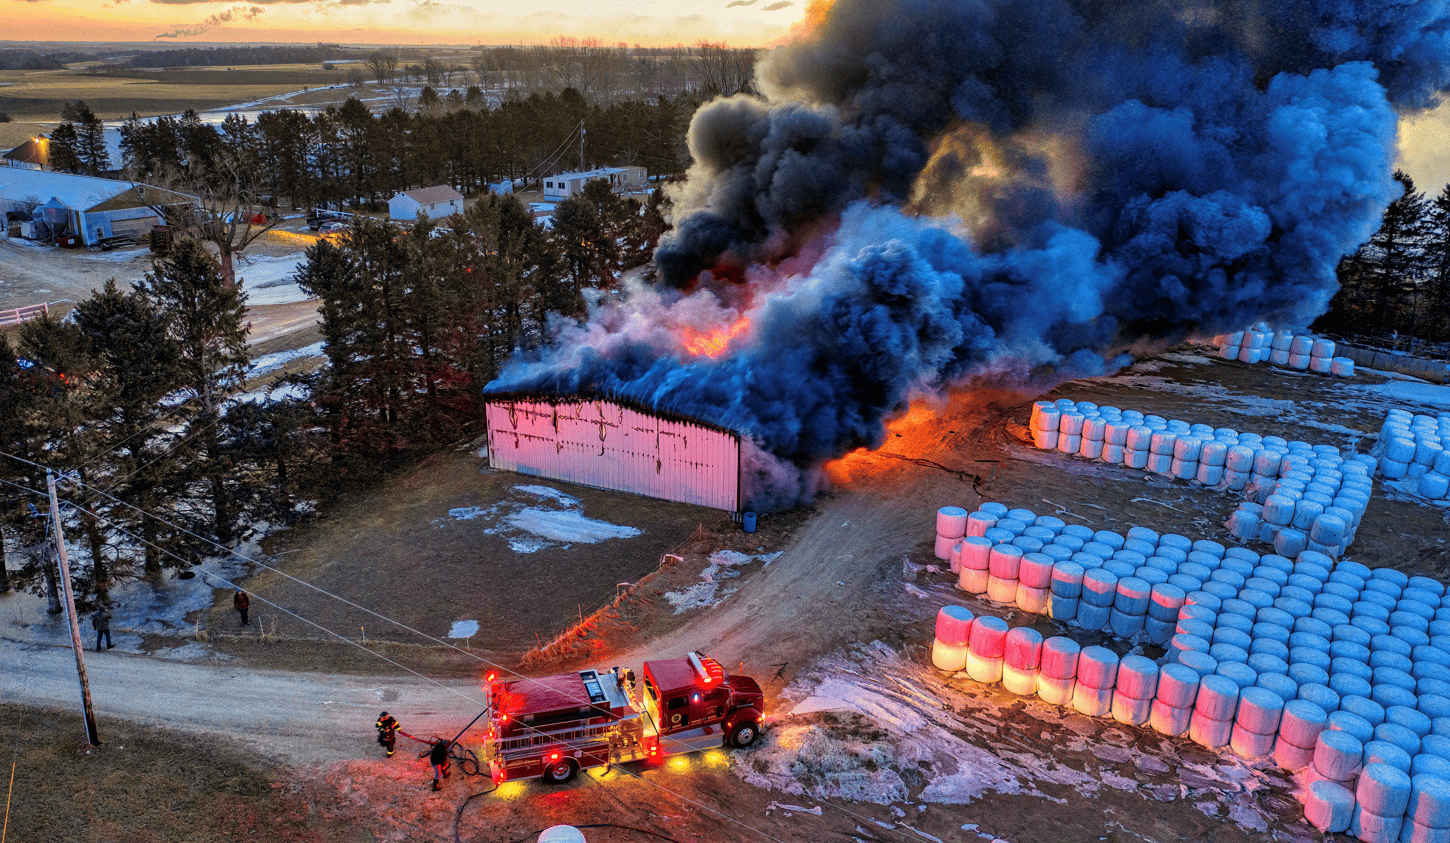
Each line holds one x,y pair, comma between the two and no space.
1284,348
1338,672
1412,446
1327,492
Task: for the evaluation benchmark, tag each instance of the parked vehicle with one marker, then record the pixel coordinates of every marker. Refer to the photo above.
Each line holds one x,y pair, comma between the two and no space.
553,727
319,216
333,231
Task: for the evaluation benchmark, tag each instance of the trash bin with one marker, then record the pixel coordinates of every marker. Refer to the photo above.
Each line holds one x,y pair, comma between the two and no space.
747,520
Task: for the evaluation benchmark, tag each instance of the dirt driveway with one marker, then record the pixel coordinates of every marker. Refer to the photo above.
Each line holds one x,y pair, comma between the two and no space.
844,613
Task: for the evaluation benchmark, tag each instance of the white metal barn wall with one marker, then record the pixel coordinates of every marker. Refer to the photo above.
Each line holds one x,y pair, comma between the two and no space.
610,446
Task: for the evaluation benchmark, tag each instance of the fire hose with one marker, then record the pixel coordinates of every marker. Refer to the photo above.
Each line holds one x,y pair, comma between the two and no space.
466,759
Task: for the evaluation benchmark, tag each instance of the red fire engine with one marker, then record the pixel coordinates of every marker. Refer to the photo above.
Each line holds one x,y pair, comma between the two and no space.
556,726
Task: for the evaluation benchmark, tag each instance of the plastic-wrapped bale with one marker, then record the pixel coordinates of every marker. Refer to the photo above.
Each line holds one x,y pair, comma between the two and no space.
1259,710
1429,804
1058,670
1291,757
1383,790
951,521
979,522
1212,723
1383,752
1342,367
987,645
1022,653
1338,756
953,632
1328,806
1375,828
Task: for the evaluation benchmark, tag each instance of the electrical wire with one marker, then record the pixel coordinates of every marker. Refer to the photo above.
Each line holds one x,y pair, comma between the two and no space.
681,797
400,625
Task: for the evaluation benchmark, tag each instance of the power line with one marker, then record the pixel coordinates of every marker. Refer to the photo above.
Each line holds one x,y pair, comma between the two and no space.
401,625
677,795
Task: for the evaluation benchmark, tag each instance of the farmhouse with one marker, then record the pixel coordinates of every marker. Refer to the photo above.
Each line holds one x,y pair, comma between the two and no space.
34,154
52,206
437,202
565,185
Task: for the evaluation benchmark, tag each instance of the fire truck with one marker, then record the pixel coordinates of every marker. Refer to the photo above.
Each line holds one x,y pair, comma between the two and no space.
553,727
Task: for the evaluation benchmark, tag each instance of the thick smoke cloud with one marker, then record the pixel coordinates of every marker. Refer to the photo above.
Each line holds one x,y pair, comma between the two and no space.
931,191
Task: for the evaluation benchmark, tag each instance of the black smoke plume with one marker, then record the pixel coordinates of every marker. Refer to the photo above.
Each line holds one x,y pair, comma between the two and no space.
931,191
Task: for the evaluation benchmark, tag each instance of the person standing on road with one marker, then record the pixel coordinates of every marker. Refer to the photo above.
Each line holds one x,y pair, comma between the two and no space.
438,757
101,623
387,728
241,602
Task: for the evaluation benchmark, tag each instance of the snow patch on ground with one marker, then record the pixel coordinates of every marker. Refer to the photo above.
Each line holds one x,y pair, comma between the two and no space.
272,280
568,527
1413,393
869,723
463,629
535,517
707,592
268,362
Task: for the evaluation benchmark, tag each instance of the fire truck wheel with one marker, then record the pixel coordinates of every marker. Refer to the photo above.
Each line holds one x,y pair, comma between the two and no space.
744,734
560,771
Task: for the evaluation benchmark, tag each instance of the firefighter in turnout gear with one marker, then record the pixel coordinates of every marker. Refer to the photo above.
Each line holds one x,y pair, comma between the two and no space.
387,728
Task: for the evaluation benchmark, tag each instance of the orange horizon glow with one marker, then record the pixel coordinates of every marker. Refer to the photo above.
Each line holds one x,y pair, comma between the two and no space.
468,23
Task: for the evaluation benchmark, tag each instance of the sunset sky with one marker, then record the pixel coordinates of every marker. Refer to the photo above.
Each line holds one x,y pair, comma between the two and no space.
647,22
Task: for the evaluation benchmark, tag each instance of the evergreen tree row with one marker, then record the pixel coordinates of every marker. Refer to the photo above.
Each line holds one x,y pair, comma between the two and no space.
350,155
1398,283
137,392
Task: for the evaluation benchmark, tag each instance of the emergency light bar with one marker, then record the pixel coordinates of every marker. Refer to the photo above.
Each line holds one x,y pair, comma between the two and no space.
709,670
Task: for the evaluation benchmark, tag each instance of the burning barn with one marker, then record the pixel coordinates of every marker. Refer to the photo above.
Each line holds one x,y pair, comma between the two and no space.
614,445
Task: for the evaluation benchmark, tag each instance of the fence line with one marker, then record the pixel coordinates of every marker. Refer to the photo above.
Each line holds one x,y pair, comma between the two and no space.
24,314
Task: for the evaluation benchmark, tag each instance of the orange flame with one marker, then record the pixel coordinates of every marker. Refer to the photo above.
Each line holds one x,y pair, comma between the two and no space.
714,343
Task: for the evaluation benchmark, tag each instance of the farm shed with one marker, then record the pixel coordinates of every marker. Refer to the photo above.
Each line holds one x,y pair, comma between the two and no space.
437,202
85,206
565,185
609,445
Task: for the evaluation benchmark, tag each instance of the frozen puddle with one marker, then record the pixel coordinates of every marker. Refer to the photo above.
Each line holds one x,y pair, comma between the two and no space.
533,518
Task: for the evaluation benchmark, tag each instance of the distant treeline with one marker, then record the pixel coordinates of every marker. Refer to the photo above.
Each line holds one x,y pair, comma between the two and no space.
236,56
31,60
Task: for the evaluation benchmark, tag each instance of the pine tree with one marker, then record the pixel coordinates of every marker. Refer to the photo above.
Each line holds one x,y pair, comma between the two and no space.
1378,282
205,317
135,367
64,146
1437,292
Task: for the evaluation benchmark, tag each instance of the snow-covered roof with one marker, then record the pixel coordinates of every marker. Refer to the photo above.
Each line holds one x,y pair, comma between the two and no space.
596,173
432,195
79,193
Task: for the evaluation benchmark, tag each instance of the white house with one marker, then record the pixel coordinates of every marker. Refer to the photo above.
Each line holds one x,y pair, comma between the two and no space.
437,202
622,179
84,206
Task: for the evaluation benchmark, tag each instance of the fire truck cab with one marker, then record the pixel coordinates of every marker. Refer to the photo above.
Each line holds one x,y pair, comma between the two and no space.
557,725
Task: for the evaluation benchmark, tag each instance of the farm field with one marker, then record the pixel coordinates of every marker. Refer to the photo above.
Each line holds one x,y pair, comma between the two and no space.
34,98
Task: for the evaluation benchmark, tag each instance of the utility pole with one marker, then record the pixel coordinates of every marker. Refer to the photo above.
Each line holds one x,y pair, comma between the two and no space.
581,146
70,607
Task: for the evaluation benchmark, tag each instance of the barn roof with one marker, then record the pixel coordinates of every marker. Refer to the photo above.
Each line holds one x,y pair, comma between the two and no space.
79,193
432,195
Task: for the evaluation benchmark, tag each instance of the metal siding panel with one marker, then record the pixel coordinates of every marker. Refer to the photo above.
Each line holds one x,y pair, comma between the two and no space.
639,452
